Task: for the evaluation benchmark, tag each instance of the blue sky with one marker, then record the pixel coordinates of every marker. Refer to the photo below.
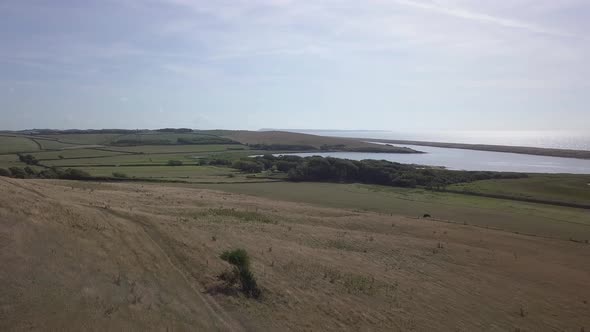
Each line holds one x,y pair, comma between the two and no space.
372,64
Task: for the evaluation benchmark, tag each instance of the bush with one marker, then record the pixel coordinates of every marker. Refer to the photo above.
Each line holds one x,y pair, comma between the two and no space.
120,175
18,173
219,162
249,284
30,172
28,159
174,163
5,172
237,257
75,174
248,166
241,261
51,173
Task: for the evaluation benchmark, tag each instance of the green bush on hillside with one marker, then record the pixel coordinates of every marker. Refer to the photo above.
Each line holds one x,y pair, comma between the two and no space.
241,261
5,172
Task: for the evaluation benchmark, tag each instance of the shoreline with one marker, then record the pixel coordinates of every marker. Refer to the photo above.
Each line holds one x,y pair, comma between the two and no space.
550,152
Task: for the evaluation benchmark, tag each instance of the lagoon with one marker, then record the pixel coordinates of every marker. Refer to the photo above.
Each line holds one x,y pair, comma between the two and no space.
470,160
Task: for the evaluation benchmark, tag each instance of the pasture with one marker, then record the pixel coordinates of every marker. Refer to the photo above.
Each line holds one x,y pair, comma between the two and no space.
9,144
146,255
150,162
513,216
558,188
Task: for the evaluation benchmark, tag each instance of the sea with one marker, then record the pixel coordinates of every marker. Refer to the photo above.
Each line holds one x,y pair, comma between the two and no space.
558,139
472,160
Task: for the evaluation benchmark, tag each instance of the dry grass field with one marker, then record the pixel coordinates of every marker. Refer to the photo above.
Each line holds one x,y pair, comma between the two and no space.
92,256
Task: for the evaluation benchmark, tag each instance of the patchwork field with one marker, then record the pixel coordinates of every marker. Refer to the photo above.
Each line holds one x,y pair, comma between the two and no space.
557,188
10,144
513,216
137,245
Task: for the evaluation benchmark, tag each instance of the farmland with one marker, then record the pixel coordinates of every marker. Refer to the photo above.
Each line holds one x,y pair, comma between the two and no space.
9,144
137,245
513,216
148,161
557,188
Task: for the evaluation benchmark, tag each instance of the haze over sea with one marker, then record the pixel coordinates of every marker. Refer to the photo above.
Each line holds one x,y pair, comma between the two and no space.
574,140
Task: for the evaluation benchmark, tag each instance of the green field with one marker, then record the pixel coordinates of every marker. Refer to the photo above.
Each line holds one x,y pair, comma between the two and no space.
92,139
47,144
124,159
177,148
10,160
514,216
75,154
206,174
149,162
558,188
10,144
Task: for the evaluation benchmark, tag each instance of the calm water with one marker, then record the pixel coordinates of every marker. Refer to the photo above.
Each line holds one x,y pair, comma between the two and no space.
472,160
575,140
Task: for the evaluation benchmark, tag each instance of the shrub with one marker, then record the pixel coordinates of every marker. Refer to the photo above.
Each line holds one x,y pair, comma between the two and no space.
5,172
18,173
174,163
120,175
248,166
249,285
237,257
51,173
241,261
219,162
30,172
28,159
75,174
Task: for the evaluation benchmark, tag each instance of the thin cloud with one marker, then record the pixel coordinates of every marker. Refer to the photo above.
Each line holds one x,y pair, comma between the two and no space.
480,17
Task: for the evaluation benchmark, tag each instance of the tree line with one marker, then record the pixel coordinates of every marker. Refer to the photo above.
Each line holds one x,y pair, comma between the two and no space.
368,171
28,172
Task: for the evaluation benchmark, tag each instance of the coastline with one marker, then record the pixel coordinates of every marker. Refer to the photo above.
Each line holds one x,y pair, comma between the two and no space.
550,152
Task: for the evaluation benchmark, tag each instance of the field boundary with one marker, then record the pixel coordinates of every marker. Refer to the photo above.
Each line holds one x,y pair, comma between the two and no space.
516,198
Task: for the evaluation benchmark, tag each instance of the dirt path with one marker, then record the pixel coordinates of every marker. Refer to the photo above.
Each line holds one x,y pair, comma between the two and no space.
159,241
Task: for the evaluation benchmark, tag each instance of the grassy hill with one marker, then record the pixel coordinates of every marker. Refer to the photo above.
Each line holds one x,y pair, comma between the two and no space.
311,141
84,255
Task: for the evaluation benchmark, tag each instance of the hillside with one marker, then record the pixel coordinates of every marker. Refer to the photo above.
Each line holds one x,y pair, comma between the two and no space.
92,256
315,141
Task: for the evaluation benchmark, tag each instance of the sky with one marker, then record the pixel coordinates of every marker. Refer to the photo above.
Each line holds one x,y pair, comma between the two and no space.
318,64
